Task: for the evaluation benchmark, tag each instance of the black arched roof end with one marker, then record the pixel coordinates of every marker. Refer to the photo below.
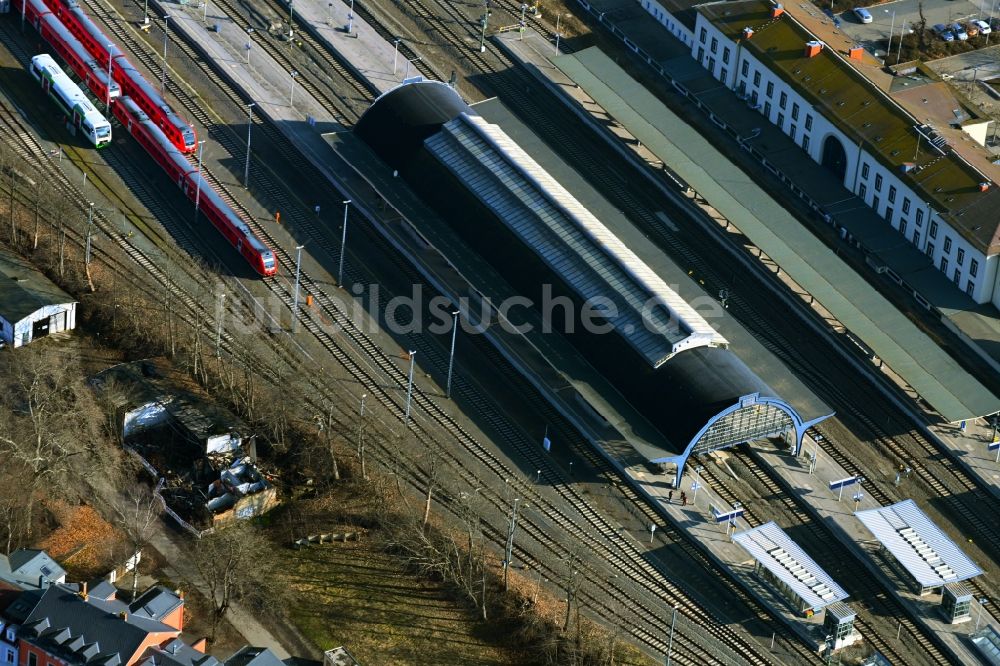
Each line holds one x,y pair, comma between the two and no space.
697,384
396,124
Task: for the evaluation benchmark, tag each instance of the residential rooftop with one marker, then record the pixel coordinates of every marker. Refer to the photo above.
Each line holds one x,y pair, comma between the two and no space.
868,116
30,568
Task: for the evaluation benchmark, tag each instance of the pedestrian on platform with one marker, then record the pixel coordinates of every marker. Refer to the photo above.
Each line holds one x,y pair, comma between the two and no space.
670,497
277,216
684,499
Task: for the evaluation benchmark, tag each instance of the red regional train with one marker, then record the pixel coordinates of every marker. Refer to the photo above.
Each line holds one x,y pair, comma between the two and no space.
152,137
71,50
132,82
160,148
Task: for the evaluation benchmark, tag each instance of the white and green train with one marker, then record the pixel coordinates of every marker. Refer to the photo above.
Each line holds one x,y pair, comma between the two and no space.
78,109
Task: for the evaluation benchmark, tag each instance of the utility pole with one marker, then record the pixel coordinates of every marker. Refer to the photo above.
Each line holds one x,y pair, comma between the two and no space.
246,171
197,190
409,389
343,246
350,19
291,16
670,641
291,95
107,108
558,20
395,54
482,35
361,436
90,223
451,355
509,552
163,70
295,307
218,324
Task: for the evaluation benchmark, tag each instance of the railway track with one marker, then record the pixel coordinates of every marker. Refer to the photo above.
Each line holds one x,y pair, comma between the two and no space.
379,371
945,477
835,558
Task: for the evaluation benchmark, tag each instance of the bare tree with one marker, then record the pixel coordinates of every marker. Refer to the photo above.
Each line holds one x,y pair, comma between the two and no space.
236,565
571,583
46,417
432,478
137,512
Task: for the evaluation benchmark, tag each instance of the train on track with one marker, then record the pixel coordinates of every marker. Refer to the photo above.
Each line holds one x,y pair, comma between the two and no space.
135,121
78,109
132,82
72,52
140,109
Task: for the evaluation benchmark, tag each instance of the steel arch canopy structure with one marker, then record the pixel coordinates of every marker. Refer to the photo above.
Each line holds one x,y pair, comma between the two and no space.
751,417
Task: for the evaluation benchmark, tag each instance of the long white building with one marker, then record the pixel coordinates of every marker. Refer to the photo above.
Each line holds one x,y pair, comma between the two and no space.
937,200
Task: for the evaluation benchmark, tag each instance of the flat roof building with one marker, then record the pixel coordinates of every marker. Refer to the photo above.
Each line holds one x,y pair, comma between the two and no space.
901,167
31,305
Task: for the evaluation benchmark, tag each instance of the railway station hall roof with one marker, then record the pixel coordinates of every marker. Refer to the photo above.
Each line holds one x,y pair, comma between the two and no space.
594,262
769,545
918,544
702,387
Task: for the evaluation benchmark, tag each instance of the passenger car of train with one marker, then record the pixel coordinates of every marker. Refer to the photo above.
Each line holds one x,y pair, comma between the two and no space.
137,123
132,82
69,48
78,109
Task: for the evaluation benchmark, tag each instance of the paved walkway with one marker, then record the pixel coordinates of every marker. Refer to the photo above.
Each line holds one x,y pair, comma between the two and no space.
179,568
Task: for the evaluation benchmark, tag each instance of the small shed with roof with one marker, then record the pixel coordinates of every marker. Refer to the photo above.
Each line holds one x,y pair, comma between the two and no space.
31,305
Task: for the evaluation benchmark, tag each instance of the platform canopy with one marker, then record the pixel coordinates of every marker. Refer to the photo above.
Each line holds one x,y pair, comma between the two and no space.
775,551
852,300
918,544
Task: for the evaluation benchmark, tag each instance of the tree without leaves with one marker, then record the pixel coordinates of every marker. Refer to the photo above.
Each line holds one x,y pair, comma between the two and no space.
236,566
137,512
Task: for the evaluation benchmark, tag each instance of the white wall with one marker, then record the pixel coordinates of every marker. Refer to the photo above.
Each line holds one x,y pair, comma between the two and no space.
58,322
984,287
667,20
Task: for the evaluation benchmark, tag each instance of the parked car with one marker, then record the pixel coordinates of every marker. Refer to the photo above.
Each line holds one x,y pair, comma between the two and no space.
984,27
863,15
971,29
942,31
959,31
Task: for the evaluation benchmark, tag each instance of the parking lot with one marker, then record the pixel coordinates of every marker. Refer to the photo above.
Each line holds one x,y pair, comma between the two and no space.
896,15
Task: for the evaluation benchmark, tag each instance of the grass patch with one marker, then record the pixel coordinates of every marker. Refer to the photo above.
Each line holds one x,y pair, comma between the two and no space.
349,594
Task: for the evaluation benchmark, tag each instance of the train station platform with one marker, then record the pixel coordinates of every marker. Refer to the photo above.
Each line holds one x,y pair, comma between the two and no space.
974,331
892,337
831,507
957,393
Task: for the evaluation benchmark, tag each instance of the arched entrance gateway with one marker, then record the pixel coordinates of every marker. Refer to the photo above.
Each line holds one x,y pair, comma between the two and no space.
834,156
751,418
